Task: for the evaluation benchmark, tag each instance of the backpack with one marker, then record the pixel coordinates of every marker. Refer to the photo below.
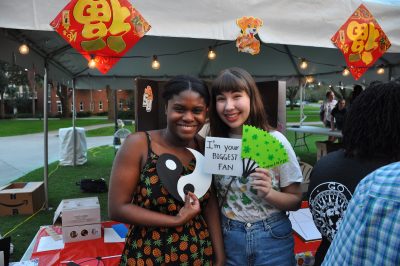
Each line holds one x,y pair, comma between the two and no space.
93,185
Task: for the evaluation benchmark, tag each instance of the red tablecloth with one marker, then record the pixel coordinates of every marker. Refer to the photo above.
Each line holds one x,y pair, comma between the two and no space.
79,252
91,249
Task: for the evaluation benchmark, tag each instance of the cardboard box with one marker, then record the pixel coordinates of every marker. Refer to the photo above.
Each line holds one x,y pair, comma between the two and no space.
79,219
21,198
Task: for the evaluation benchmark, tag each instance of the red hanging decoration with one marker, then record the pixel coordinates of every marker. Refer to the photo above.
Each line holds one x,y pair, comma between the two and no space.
361,40
102,29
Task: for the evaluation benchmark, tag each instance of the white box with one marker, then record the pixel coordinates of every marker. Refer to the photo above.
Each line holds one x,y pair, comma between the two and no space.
80,219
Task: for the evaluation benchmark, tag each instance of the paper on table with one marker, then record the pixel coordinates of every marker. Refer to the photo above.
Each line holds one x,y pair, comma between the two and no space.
110,236
303,224
34,262
48,243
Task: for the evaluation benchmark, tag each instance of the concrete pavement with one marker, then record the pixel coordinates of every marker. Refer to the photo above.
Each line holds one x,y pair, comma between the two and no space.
20,155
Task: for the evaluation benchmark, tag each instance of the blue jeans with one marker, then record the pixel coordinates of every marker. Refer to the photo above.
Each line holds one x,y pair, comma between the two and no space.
266,242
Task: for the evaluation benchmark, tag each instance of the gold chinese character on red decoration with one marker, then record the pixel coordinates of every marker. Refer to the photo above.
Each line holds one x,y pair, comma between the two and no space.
361,40
105,29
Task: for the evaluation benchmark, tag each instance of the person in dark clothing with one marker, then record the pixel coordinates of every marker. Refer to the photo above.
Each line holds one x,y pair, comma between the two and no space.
357,89
371,139
338,115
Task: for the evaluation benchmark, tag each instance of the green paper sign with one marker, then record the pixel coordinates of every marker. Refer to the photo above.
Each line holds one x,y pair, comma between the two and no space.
263,148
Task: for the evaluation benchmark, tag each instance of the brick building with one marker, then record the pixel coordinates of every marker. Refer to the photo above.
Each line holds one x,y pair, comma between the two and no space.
95,101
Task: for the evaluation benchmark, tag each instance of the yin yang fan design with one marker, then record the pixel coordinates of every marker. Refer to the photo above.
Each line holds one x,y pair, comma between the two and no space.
169,169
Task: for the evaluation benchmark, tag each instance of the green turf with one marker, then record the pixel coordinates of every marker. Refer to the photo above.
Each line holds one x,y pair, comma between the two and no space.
312,113
105,131
62,185
308,156
16,127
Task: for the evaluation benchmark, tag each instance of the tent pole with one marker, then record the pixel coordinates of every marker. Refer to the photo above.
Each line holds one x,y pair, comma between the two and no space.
115,110
302,93
73,120
46,136
116,141
33,91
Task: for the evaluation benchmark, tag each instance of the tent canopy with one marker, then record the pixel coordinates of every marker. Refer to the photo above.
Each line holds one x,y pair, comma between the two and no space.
183,30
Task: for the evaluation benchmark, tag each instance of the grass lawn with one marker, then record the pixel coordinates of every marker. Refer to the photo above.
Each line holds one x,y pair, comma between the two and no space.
312,113
20,127
106,131
306,156
62,185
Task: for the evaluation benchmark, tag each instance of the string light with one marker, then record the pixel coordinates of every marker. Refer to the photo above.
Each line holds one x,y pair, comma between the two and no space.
310,79
155,64
92,62
23,49
211,54
303,63
380,70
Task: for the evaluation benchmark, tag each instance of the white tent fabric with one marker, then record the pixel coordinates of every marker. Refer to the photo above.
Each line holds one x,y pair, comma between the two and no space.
273,62
301,28
305,22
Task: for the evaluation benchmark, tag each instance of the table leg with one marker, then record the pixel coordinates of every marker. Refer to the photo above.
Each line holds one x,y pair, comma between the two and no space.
301,137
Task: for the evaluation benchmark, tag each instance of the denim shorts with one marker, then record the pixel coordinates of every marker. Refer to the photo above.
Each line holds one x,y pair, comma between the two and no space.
266,242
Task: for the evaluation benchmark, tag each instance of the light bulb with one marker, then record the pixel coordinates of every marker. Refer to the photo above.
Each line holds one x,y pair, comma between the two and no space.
23,49
310,79
92,63
211,54
381,70
155,64
345,72
303,64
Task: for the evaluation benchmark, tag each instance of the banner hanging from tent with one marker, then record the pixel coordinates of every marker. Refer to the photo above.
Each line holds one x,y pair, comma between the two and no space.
103,30
361,40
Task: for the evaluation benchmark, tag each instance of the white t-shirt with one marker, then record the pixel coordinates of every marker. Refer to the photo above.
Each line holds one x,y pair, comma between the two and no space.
328,107
242,203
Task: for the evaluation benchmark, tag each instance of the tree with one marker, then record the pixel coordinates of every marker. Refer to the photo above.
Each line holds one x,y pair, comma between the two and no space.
291,93
11,78
3,85
62,93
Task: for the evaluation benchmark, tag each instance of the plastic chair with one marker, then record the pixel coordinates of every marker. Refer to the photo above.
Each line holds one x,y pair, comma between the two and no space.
120,135
306,171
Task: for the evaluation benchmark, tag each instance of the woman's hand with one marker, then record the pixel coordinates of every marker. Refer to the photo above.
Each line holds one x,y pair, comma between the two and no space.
190,209
262,182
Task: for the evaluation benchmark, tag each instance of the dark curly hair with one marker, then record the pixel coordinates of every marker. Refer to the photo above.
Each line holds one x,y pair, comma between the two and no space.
372,127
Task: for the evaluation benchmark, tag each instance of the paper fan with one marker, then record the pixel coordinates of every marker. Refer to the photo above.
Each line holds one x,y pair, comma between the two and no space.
261,148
